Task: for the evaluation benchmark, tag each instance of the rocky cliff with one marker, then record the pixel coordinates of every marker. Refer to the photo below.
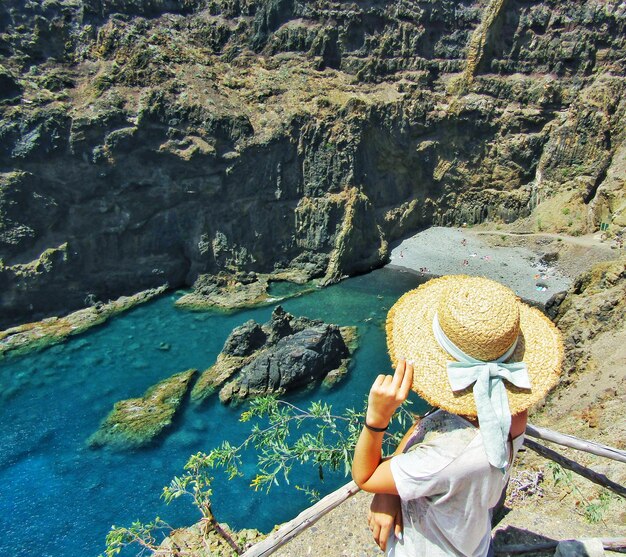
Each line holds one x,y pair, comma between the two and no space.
152,141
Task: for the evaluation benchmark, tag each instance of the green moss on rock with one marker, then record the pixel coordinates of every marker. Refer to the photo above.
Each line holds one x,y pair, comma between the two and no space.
135,422
31,337
226,292
212,378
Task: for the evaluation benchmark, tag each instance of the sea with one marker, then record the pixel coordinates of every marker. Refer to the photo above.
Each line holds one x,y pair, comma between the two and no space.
59,497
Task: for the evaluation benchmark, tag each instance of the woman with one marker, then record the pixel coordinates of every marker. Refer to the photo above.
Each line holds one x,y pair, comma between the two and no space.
469,347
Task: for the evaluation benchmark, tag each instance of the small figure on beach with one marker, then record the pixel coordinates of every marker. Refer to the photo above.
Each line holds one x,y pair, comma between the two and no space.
465,263
436,494
463,242
401,253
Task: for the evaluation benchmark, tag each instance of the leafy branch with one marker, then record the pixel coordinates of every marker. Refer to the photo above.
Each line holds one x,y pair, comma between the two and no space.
283,435
196,482
282,440
138,533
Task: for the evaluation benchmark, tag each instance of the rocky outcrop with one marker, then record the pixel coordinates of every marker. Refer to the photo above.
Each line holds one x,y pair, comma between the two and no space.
151,141
284,354
229,291
36,336
298,360
205,541
226,291
138,421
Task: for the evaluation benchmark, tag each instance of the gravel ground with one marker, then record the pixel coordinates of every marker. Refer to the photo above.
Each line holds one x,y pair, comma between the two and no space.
444,251
343,532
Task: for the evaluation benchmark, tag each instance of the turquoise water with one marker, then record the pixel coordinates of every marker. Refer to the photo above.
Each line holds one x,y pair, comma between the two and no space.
58,497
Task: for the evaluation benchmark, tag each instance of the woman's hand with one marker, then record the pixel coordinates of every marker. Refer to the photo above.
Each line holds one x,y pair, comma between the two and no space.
385,517
388,393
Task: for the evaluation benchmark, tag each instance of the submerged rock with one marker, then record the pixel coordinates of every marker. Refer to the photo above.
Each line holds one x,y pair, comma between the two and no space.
135,422
31,337
285,353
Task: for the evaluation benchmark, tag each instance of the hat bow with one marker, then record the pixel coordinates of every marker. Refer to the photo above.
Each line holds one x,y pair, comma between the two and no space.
492,404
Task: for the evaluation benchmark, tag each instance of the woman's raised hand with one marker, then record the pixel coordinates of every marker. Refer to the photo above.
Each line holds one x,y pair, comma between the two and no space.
387,393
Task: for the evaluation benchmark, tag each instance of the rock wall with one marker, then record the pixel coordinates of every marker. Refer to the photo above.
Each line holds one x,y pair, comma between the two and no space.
595,304
152,141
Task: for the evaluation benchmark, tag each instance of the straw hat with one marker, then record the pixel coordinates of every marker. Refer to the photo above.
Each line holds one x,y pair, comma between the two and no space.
482,318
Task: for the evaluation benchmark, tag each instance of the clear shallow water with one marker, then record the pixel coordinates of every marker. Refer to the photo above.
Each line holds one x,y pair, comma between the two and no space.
59,498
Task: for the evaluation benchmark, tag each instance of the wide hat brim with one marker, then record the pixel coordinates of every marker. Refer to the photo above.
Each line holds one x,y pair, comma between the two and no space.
410,336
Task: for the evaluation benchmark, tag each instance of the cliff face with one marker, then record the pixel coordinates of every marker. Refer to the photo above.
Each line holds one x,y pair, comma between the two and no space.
151,141
594,306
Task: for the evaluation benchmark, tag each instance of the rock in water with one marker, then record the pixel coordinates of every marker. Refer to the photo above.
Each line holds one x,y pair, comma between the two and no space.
301,359
31,337
211,379
285,353
244,340
226,291
135,422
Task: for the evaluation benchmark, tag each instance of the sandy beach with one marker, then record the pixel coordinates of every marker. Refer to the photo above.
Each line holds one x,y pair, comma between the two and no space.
442,251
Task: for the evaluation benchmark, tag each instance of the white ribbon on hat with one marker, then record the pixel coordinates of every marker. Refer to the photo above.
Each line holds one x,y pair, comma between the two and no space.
492,404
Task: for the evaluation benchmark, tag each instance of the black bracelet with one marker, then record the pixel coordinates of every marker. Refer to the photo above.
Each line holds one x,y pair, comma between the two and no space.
376,429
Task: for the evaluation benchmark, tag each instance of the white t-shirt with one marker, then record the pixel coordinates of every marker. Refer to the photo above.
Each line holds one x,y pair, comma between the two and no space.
448,489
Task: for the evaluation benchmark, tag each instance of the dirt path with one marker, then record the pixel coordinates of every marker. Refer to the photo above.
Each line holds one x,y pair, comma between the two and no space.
569,255
588,240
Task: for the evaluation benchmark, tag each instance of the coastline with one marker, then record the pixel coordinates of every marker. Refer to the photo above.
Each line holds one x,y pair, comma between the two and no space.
441,250
533,272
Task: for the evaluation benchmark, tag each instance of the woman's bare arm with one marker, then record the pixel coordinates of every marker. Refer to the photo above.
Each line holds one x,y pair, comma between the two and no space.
387,393
385,512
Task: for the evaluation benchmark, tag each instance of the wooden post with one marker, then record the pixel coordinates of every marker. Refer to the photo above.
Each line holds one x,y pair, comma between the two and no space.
575,443
306,518
585,472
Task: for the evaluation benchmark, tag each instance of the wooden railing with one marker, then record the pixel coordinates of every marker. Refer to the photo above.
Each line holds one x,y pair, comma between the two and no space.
306,518
575,443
